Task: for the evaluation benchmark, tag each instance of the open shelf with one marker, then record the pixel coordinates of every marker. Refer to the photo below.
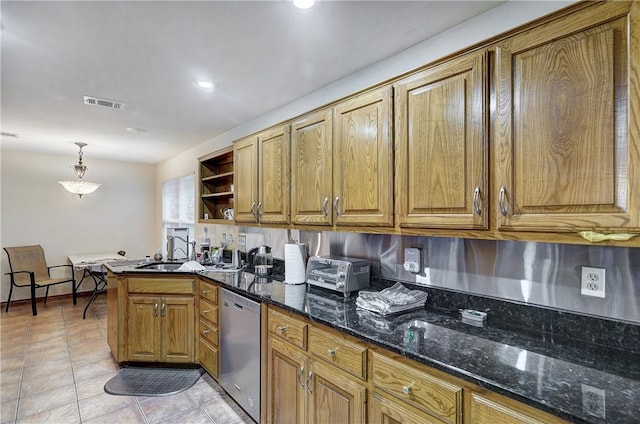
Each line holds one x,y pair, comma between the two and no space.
216,185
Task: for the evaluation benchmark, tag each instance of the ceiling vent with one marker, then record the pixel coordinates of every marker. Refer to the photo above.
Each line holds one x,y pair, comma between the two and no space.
95,101
8,134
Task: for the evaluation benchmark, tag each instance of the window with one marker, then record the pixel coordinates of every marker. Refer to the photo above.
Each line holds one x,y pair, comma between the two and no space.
178,208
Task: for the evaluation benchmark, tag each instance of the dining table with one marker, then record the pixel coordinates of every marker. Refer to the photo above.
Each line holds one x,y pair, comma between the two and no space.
92,266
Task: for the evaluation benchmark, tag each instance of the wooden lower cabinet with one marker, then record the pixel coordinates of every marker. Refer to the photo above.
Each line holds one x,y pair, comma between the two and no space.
386,410
334,397
301,389
151,318
421,389
160,329
489,408
286,389
313,376
208,338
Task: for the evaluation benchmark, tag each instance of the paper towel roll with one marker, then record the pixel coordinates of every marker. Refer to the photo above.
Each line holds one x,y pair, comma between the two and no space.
294,264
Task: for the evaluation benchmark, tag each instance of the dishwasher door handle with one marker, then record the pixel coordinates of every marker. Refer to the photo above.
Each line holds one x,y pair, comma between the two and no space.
240,307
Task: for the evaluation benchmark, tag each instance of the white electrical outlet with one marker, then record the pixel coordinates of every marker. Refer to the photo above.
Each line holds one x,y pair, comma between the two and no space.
594,401
592,282
242,242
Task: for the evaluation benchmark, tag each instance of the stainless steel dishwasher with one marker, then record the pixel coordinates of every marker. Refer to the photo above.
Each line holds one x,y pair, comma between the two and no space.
240,351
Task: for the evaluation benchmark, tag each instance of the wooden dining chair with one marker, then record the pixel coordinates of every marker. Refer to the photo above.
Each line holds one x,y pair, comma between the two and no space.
28,268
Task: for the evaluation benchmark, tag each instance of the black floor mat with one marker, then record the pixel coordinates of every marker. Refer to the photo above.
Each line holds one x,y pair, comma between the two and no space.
138,381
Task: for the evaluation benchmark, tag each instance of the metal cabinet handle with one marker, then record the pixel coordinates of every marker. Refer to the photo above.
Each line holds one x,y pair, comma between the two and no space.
335,205
155,310
300,375
324,206
206,291
259,211
253,211
477,205
205,312
163,310
206,331
502,200
407,389
282,329
331,352
308,383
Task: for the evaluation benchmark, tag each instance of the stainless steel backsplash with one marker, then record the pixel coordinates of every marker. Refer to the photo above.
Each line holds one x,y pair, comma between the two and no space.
544,274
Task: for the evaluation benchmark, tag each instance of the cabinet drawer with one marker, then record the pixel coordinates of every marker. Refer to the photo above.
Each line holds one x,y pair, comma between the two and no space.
208,356
290,329
349,356
208,311
161,285
424,391
209,332
209,292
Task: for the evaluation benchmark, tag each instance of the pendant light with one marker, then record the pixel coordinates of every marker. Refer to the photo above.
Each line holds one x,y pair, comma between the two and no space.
80,186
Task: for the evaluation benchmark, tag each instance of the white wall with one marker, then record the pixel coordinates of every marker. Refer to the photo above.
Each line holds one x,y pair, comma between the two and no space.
487,25
37,210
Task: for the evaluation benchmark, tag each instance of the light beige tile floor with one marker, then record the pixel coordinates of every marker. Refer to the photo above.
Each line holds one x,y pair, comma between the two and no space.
53,368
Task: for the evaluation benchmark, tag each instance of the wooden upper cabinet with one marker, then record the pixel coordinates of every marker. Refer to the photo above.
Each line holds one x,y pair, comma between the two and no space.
273,176
566,158
311,169
441,146
262,186
245,170
363,160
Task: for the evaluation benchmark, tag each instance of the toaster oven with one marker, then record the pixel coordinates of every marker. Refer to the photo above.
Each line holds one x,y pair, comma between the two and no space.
339,273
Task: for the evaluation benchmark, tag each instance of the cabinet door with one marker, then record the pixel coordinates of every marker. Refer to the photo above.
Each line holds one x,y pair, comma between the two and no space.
363,160
285,403
485,411
245,171
564,156
334,397
178,325
384,410
441,156
143,328
311,174
273,176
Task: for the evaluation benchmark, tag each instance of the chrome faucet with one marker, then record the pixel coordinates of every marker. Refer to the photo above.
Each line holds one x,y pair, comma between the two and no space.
172,250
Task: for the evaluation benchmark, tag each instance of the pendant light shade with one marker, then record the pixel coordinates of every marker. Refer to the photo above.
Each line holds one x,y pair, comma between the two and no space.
80,186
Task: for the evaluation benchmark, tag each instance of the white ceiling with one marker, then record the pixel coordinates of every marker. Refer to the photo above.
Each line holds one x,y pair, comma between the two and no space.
148,55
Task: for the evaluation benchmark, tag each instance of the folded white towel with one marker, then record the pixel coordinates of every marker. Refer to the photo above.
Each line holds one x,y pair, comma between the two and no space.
191,266
391,300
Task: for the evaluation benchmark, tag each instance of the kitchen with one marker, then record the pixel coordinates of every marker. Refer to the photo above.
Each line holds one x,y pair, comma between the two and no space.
544,262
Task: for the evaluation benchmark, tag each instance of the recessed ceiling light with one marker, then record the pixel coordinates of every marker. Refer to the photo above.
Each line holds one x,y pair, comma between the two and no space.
205,85
304,4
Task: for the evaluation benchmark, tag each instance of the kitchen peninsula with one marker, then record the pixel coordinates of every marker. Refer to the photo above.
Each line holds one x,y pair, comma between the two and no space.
316,345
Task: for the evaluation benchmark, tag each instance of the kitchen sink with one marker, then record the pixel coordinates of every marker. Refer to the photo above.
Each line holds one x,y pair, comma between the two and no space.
167,267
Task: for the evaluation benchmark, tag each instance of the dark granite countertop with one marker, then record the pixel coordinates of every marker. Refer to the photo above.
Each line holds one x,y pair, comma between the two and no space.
578,382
